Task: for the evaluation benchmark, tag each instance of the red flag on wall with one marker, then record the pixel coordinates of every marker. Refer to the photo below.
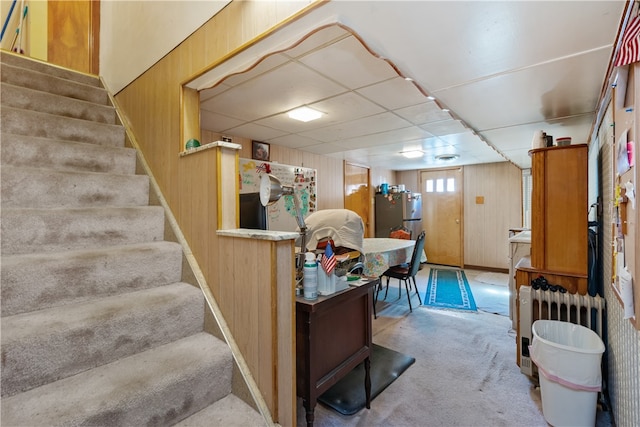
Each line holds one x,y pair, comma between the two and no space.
630,47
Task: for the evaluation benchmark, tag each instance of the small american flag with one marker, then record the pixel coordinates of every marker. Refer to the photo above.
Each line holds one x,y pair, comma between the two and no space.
328,261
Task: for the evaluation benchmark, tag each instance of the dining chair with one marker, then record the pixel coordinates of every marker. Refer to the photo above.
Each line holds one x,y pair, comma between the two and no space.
407,273
400,232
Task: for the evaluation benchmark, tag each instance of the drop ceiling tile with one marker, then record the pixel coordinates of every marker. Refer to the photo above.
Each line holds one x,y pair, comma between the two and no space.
254,131
360,127
536,79
207,94
291,86
349,63
326,148
393,94
317,40
338,109
426,112
540,93
261,66
293,141
347,106
407,134
444,127
217,122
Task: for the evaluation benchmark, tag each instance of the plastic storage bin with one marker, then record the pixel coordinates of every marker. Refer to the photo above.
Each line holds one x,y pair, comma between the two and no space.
568,357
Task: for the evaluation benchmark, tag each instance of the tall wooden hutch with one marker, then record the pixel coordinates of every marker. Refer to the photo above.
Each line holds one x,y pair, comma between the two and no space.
559,221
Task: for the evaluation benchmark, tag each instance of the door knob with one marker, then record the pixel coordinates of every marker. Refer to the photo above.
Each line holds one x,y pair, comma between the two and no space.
457,221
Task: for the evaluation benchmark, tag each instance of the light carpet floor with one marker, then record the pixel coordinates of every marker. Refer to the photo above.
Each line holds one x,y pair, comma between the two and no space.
465,372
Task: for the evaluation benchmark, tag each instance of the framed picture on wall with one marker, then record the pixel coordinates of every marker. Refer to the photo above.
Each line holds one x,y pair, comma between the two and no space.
260,151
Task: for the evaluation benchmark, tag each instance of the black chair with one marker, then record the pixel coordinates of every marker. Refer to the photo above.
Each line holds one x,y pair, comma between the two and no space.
406,272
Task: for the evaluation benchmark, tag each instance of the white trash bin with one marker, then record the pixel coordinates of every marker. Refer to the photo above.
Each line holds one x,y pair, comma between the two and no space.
568,357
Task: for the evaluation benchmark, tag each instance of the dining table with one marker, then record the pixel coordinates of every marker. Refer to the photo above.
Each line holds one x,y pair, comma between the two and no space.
380,253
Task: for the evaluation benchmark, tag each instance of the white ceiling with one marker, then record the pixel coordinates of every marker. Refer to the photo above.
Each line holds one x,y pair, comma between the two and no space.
504,70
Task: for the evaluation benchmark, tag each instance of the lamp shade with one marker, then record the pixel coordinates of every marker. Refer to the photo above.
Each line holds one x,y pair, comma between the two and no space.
271,190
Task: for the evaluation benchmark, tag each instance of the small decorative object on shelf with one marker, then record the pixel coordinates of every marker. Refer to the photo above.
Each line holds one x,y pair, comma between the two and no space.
192,143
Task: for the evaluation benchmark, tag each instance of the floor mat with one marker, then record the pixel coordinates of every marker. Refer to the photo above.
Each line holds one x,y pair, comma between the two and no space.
347,396
449,288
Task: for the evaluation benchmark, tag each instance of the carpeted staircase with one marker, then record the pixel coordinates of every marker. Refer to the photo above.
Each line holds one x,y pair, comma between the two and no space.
97,327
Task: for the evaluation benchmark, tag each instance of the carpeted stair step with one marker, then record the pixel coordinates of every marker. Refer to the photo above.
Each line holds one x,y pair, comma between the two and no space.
29,230
35,100
230,411
28,78
31,151
26,122
33,187
35,346
38,281
157,387
50,69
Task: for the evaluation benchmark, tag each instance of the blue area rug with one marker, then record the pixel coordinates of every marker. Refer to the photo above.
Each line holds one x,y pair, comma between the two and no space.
449,289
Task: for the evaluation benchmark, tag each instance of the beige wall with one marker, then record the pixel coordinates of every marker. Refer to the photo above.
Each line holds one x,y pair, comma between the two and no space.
34,30
134,35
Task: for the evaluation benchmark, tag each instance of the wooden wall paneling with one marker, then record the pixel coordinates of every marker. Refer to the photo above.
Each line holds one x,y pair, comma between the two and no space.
492,205
247,290
284,319
190,120
410,179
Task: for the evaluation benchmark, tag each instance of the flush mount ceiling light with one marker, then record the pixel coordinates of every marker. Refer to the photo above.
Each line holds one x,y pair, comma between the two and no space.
304,114
447,157
412,154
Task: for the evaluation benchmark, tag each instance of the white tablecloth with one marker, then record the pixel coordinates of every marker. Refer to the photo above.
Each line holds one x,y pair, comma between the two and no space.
382,253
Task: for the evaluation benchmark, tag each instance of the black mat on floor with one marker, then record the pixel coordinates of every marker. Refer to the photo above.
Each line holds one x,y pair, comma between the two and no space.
347,395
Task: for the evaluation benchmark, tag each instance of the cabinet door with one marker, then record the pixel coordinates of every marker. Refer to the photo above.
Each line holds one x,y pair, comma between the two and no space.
559,216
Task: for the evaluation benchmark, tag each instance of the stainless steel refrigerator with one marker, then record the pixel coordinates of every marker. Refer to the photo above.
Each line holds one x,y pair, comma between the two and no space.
397,209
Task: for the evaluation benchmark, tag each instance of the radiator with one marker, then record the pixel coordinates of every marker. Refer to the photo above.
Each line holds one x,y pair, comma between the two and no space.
538,304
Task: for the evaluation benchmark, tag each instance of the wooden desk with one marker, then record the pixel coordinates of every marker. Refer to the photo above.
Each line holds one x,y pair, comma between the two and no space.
333,336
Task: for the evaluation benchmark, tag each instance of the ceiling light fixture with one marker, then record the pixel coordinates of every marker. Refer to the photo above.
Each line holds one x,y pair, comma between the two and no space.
447,157
412,154
304,114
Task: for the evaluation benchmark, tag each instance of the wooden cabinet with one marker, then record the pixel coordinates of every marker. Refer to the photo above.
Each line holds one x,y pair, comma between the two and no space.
333,336
559,214
559,223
